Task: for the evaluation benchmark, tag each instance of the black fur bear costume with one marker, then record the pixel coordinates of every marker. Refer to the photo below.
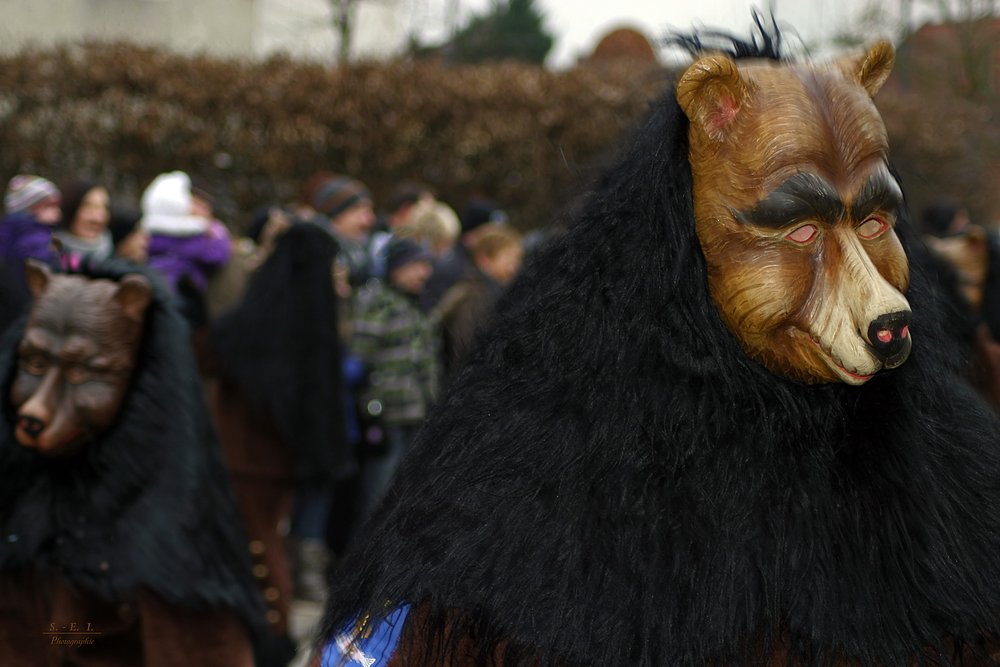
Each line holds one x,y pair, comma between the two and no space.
146,509
611,480
277,398
281,346
14,299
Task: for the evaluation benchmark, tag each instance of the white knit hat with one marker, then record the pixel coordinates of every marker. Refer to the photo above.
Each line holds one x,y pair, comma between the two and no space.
166,207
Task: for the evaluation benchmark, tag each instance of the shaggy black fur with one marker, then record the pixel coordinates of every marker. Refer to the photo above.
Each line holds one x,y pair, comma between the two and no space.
14,299
281,346
765,41
990,307
612,481
147,506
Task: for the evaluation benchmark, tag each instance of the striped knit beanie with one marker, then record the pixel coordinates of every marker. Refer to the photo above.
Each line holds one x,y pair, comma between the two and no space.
333,195
27,192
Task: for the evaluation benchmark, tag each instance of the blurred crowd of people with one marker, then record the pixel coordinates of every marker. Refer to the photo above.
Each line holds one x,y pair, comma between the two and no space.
415,286
418,283
965,258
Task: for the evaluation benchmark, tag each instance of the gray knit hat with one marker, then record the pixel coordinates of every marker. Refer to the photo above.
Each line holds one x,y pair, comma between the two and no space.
26,192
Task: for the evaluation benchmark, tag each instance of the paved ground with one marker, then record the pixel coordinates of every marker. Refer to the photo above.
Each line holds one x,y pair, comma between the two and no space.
305,617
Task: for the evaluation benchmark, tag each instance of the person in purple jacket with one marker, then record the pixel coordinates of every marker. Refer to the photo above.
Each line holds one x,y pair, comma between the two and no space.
185,247
31,207
182,243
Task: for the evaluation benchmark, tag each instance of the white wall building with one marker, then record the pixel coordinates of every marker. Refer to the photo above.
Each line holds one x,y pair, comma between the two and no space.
226,28
304,29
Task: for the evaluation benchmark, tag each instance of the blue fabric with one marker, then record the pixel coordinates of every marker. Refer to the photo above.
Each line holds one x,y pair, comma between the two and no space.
354,373
346,649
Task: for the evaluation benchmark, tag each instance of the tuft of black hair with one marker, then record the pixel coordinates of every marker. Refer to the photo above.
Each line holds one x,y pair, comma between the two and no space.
764,42
148,506
611,480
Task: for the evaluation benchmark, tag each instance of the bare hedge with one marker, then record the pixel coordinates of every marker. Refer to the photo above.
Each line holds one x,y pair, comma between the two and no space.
122,113
945,145
516,133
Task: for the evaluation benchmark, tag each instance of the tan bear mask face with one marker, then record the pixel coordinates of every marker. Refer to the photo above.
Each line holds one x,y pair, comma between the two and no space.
795,210
76,358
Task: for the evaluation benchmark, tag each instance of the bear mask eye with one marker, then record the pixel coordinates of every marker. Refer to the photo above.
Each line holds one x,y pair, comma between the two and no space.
77,373
803,234
871,228
36,364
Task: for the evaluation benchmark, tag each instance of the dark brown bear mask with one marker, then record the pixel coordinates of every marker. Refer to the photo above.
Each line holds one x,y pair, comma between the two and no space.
76,357
795,209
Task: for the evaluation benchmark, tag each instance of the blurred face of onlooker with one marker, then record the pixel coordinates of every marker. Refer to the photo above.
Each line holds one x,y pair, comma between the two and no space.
34,197
47,213
135,246
412,277
201,207
960,222
469,239
93,215
504,264
355,222
399,216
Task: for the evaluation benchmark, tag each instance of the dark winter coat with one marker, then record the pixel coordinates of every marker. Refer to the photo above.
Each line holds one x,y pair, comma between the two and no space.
448,270
399,346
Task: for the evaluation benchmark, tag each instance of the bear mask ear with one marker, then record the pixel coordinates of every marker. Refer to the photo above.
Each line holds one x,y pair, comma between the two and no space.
711,92
37,274
871,69
133,295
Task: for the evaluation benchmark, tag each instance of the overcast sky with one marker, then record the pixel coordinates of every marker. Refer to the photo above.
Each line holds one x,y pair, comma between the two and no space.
579,24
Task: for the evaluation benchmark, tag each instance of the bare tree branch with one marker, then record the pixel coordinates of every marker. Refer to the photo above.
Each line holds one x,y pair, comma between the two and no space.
343,21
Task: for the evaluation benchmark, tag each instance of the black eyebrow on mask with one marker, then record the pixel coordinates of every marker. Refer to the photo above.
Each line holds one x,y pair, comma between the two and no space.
881,192
801,197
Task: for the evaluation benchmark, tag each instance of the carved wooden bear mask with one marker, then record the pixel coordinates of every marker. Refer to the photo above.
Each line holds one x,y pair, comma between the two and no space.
76,357
795,209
